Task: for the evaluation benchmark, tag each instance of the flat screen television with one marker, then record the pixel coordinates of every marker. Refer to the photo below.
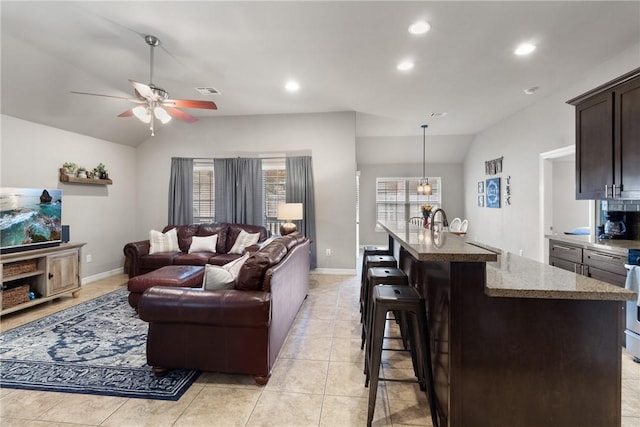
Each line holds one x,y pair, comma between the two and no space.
30,218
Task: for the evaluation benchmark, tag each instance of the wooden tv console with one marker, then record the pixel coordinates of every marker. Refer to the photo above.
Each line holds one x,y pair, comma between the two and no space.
49,273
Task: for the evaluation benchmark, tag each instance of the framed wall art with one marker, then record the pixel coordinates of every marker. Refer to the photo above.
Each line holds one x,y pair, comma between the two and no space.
493,192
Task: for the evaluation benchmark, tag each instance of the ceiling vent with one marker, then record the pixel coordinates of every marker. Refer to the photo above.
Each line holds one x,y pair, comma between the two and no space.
437,115
208,90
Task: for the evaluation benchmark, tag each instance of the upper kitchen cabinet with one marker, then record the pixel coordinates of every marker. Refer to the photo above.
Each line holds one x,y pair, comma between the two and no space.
608,140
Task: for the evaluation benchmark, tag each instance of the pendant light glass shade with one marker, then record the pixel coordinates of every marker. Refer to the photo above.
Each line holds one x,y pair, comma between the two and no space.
424,188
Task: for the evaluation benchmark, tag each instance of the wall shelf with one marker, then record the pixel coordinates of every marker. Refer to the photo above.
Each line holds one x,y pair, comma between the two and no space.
73,180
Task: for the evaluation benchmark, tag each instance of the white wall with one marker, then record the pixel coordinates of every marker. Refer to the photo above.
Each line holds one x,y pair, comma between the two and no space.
101,216
329,138
452,192
547,125
568,213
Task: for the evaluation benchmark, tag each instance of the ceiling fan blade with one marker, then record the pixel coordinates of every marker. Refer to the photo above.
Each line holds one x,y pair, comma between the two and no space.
127,113
179,114
137,101
191,103
144,90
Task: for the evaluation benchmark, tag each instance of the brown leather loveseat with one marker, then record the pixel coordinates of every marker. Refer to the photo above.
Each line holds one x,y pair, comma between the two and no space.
139,261
239,330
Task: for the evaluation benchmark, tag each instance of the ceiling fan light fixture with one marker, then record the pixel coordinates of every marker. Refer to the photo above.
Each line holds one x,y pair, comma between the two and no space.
162,115
142,113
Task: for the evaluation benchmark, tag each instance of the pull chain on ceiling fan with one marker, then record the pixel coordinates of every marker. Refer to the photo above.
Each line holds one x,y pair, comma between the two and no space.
154,101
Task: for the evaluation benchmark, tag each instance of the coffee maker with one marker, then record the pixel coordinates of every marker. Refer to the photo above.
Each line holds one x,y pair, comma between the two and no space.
614,227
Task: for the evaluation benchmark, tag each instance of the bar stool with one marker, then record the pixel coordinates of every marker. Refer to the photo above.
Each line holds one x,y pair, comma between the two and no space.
369,262
407,300
378,276
371,250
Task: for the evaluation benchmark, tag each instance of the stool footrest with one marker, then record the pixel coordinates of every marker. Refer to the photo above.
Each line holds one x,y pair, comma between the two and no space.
399,380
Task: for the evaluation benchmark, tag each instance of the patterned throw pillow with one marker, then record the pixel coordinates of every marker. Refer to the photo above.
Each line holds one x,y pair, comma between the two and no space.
244,239
203,244
163,242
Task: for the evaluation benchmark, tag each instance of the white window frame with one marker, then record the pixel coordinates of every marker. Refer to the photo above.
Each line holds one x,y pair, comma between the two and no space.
405,202
272,198
204,191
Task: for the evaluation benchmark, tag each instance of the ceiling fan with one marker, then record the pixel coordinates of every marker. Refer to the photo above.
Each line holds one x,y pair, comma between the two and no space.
154,101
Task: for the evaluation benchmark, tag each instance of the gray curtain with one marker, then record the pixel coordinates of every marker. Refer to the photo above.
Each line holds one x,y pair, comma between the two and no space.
299,189
239,191
181,191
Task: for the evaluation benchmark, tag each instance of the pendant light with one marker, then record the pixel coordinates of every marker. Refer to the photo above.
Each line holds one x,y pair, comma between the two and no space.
424,188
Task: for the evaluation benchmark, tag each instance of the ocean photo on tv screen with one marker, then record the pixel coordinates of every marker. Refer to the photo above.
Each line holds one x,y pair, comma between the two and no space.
30,217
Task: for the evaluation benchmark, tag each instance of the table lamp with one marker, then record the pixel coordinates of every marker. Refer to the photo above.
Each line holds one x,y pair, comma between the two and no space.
289,212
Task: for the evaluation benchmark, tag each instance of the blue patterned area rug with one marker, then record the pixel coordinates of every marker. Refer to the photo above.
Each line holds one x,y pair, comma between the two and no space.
97,347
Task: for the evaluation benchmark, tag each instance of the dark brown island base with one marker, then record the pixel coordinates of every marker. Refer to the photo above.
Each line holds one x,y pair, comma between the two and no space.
515,342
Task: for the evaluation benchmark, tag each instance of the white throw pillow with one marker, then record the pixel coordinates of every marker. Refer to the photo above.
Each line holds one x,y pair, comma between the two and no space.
203,244
217,277
234,266
244,239
163,242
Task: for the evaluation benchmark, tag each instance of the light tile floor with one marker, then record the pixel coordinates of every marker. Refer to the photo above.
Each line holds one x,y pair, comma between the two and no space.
317,379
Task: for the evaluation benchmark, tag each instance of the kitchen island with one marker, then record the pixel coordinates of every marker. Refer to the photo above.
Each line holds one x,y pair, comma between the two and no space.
515,342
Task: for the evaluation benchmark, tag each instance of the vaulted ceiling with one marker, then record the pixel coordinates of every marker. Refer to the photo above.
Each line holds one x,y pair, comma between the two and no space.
343,54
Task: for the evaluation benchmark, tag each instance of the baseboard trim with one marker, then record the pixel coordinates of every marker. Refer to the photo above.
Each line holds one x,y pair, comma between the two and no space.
103,275
335,271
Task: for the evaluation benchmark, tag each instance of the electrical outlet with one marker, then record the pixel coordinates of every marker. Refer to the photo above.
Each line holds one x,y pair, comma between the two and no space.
328,252
520,252
89,258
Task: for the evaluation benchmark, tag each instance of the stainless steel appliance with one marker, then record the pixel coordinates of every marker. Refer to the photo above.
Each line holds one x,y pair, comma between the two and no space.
632,330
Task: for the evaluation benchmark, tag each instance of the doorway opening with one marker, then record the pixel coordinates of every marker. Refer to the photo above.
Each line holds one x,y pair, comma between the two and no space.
560,212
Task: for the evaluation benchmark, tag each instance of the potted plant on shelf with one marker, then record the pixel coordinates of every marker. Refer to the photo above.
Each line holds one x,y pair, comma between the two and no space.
70,168
100,171
82,172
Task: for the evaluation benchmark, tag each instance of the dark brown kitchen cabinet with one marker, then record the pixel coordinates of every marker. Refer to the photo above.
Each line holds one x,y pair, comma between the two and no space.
565,256
604,265
608,140
627,129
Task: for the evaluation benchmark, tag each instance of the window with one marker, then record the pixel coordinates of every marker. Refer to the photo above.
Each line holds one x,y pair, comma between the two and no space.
203,191
273,191
273,186
398,200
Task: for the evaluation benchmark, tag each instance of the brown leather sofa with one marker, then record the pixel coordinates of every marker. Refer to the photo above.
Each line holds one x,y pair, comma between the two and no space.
237,331
139,261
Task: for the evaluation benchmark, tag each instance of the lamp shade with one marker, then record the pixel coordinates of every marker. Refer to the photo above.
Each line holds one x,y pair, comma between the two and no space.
289,211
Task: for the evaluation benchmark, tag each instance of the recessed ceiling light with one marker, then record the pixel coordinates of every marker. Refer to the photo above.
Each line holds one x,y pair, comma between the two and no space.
419,27
405,66
292,86
531,90
525,49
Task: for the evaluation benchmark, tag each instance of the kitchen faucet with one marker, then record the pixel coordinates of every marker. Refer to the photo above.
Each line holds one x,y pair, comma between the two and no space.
445,223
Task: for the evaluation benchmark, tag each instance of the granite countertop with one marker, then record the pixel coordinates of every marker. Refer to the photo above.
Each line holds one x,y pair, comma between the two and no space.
591,242
420,243
518,277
